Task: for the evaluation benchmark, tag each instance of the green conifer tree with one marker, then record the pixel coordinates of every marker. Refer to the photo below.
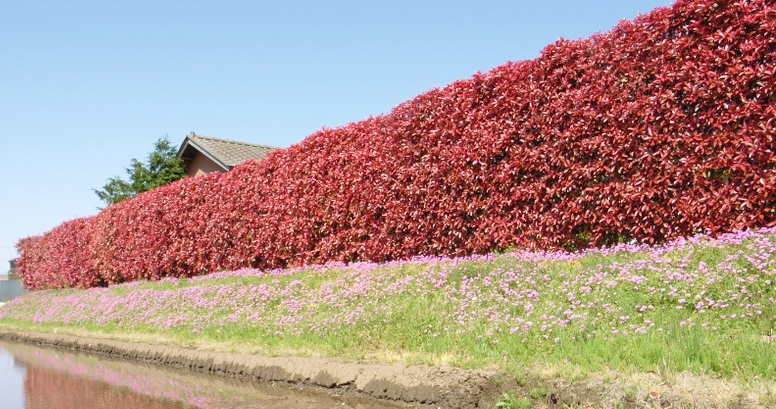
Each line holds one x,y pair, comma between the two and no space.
163,166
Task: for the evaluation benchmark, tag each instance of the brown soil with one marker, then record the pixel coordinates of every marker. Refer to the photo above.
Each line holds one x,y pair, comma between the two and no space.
422,386
438,387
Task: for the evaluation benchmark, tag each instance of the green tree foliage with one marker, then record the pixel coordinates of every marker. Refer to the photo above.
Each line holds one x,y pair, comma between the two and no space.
163,166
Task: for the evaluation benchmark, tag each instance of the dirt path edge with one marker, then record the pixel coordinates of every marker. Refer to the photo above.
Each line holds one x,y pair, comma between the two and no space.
423,386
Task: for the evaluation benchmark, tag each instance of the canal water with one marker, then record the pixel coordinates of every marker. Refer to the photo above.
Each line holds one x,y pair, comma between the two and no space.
42,378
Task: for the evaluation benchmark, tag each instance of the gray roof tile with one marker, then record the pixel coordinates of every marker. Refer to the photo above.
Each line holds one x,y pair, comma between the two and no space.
228,152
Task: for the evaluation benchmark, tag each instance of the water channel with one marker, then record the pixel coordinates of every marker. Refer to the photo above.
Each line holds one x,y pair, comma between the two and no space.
42,378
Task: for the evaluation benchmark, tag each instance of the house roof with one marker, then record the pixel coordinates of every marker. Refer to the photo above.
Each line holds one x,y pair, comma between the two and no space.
224,152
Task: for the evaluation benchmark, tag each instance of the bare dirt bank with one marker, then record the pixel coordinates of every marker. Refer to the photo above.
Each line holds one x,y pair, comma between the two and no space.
426,387
423,386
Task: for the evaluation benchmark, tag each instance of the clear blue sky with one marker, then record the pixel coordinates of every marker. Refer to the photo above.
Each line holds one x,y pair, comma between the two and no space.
86,86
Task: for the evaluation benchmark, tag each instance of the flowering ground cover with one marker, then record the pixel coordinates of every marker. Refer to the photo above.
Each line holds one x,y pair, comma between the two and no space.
698,304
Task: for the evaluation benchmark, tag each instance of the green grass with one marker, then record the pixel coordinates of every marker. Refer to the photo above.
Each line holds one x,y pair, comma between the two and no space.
704,307
509,401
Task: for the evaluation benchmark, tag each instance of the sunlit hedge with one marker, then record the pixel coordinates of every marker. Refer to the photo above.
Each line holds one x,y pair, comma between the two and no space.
661,127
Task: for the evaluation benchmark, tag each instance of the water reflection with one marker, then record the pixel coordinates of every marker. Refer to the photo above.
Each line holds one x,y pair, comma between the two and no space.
38,378
11,382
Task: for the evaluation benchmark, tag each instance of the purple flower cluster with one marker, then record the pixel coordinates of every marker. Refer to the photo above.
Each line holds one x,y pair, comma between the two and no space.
628,290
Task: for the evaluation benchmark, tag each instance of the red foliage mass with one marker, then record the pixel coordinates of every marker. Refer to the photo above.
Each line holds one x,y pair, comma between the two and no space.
660,128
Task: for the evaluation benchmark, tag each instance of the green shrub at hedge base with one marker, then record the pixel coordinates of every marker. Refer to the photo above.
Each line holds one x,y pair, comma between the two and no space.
660,128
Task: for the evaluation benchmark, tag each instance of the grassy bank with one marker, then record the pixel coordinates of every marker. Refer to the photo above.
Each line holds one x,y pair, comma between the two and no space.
700,306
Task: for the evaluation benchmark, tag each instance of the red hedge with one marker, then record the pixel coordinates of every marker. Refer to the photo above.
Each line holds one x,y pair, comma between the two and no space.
662,127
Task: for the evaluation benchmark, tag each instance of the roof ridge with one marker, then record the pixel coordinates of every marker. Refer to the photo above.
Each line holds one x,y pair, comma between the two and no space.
213,138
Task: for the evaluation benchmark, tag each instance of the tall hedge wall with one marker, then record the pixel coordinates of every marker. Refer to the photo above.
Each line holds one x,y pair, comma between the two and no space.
662,127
